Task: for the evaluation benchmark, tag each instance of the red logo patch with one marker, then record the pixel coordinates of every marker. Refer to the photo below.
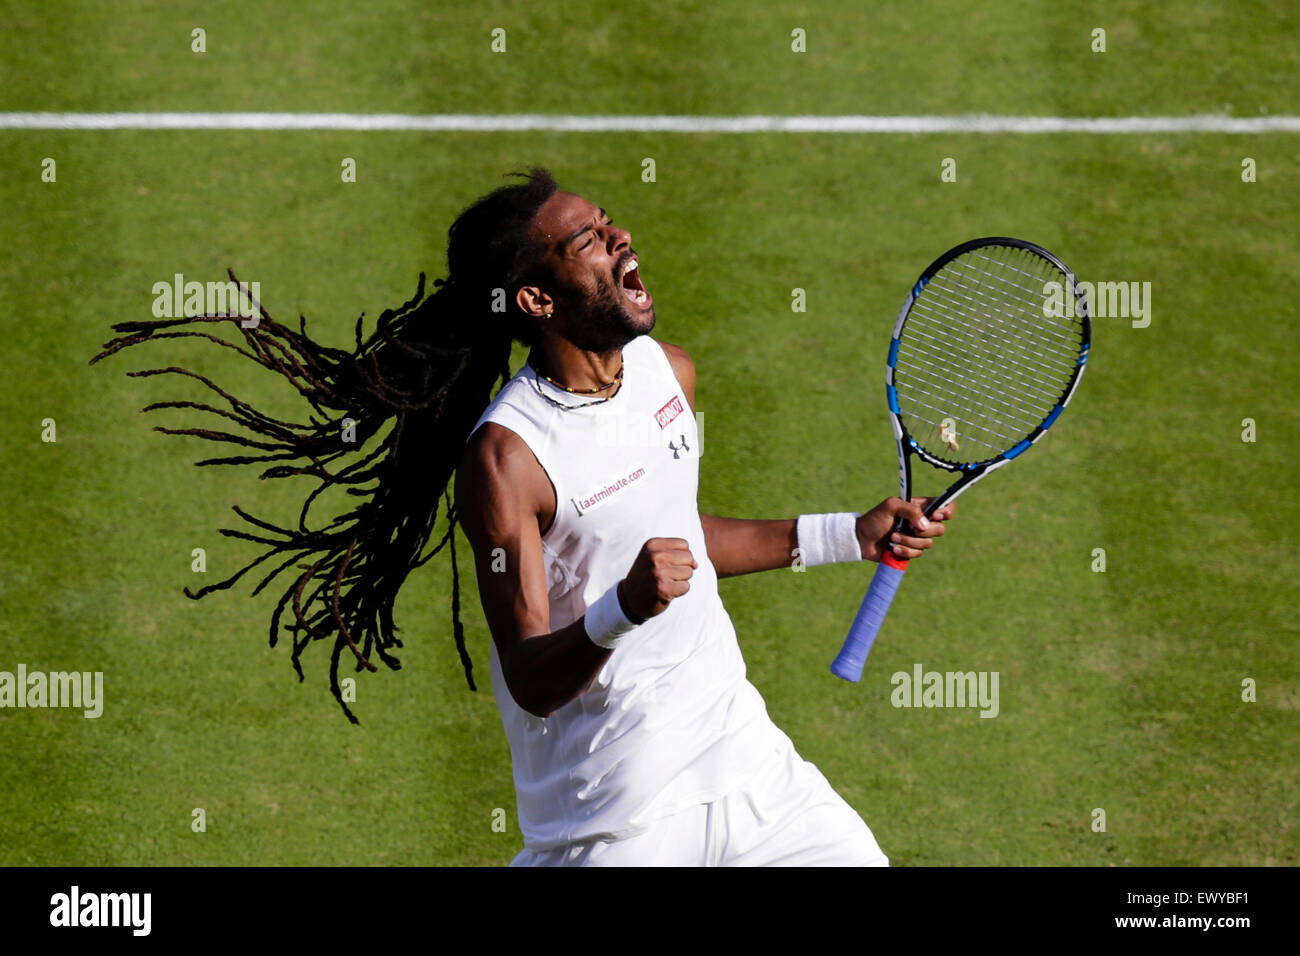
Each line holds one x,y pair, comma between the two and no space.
670,411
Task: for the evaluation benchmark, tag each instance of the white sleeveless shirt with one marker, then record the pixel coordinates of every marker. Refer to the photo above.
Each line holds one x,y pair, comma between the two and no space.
670,721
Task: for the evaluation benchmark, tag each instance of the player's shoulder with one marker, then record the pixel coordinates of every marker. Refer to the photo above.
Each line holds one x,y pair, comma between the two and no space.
496,449
497,464
676,354
683,368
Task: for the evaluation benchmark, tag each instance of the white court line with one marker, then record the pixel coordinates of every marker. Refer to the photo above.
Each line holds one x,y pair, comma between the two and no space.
488,123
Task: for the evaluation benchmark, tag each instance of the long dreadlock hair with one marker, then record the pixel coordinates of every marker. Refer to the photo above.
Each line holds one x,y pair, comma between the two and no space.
421,379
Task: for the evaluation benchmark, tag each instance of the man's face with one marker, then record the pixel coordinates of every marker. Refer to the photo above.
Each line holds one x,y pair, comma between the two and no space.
599,303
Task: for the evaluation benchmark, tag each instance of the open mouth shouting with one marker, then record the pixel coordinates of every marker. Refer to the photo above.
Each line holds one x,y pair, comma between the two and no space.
630,279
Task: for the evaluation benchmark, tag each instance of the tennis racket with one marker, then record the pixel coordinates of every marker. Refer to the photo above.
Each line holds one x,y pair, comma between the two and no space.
985,356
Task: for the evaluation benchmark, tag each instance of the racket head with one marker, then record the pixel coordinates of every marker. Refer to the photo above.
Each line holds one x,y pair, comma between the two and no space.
988,349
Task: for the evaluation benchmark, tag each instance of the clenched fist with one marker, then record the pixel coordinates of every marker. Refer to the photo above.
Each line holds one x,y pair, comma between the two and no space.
662,571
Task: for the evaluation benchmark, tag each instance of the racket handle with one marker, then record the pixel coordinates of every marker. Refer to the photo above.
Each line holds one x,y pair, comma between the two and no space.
884,585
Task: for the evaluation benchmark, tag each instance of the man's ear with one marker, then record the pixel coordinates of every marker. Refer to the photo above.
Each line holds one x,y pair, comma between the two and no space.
533,300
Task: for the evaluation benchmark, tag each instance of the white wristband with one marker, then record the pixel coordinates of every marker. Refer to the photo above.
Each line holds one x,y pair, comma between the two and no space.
605,621
828,538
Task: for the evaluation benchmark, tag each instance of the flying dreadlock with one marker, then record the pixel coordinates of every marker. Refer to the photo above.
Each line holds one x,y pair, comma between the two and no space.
425,375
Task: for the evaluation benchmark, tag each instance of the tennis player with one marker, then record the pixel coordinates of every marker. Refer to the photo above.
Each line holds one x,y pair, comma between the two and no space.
635,737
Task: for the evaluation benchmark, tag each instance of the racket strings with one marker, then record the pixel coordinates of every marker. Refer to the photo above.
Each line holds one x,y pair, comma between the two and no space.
984,399
971,390
928,351
956,424
1031,305
999,443
1052,345
1035,375
980,307
1051,342
1064,330
970,335
980,362
1003,410
960,409
1018,289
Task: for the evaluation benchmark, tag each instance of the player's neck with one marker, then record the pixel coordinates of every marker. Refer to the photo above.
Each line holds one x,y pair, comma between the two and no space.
575,368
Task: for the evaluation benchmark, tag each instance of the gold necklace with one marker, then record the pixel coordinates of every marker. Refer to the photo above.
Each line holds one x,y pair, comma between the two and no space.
618,378
581,391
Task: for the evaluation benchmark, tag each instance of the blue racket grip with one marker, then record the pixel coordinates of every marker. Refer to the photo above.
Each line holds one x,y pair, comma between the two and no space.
884,585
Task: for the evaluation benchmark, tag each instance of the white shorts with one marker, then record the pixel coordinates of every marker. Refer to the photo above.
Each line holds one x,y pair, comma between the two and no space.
786,814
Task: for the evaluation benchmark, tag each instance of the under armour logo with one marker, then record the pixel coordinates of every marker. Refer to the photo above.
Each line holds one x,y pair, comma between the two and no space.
685,447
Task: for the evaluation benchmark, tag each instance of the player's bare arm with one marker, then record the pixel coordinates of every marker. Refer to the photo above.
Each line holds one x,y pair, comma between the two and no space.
745,545
501,495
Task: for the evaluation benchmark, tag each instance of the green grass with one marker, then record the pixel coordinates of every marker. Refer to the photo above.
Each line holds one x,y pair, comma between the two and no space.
1118,690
